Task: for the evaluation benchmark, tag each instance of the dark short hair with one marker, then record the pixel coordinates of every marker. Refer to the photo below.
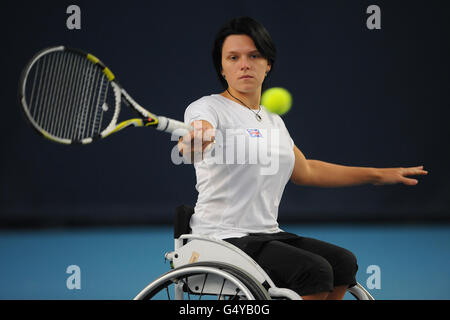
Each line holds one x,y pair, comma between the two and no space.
251,28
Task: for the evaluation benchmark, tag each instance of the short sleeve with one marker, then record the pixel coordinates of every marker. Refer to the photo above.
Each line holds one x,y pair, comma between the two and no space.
201,110
283,127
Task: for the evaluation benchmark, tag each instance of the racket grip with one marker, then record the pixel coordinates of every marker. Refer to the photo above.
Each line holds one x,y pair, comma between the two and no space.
173,126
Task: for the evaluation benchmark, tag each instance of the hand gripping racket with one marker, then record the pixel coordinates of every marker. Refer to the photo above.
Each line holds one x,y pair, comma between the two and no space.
70,97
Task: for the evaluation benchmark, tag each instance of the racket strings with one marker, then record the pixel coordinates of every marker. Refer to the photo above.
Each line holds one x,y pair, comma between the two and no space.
68,96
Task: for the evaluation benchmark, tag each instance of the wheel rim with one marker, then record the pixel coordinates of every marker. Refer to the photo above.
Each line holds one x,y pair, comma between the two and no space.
180,277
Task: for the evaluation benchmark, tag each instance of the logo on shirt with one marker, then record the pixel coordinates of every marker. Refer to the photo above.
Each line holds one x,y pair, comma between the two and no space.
255,133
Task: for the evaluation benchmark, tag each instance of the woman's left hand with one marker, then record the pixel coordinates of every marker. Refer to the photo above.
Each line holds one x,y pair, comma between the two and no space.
399,175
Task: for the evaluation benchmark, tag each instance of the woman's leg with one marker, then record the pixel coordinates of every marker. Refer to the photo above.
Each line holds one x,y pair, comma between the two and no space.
316,296
308,274
305,265
338,293
342,261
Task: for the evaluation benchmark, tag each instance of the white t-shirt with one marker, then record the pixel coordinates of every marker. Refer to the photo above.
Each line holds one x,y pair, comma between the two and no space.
241,178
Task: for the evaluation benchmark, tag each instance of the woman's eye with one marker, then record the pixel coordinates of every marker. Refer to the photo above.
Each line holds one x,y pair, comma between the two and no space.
252,56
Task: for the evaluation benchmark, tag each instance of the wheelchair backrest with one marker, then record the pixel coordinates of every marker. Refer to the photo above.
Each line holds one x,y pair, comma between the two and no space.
183,215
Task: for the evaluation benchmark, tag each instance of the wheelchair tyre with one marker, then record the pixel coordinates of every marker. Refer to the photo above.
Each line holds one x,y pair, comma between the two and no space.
248,287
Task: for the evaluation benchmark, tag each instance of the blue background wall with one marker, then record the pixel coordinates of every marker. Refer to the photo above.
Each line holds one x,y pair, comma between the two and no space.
361,97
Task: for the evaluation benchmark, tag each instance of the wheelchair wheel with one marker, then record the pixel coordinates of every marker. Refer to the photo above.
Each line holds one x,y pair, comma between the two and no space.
205,280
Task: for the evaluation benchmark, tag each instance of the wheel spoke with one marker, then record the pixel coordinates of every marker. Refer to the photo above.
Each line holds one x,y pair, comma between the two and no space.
221,289
203,287
168,294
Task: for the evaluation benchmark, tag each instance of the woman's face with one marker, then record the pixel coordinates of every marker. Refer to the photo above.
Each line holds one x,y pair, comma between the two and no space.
242,65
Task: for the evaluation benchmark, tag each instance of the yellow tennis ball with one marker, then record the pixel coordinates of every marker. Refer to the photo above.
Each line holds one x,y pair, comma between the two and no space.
277,100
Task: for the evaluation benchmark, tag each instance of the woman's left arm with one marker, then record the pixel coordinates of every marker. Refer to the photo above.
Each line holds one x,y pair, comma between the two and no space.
323,174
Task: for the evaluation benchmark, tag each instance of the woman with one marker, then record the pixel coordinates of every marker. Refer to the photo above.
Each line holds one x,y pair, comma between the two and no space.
237,201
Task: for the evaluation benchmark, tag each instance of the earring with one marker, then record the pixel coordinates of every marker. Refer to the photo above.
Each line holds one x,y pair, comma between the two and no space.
223,76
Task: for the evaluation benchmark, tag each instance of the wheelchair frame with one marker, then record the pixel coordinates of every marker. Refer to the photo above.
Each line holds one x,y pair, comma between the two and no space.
204,261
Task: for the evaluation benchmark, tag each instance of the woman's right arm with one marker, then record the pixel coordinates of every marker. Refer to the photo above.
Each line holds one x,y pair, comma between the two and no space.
193,144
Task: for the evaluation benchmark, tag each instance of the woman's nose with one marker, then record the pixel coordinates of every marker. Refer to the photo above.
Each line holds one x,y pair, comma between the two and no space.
245,63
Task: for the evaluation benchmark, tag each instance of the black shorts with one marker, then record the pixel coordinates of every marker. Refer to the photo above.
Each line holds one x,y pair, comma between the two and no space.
304,265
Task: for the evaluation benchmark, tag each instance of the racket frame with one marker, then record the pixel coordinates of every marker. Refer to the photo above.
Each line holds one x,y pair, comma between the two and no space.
146,118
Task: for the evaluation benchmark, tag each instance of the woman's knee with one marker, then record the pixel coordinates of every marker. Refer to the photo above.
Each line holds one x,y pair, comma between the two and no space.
348,261
345,269
317,277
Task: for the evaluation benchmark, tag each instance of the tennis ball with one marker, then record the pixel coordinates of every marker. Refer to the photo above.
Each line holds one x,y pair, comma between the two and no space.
277,100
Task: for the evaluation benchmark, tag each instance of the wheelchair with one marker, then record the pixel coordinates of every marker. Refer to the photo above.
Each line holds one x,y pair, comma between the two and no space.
213,269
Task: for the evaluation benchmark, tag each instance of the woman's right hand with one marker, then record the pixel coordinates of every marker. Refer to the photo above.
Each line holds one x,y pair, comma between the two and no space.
193,144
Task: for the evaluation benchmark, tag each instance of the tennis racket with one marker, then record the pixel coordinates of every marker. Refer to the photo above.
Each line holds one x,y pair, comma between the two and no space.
70,97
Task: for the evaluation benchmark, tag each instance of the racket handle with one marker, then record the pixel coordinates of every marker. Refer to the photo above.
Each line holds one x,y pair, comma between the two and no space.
171,125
